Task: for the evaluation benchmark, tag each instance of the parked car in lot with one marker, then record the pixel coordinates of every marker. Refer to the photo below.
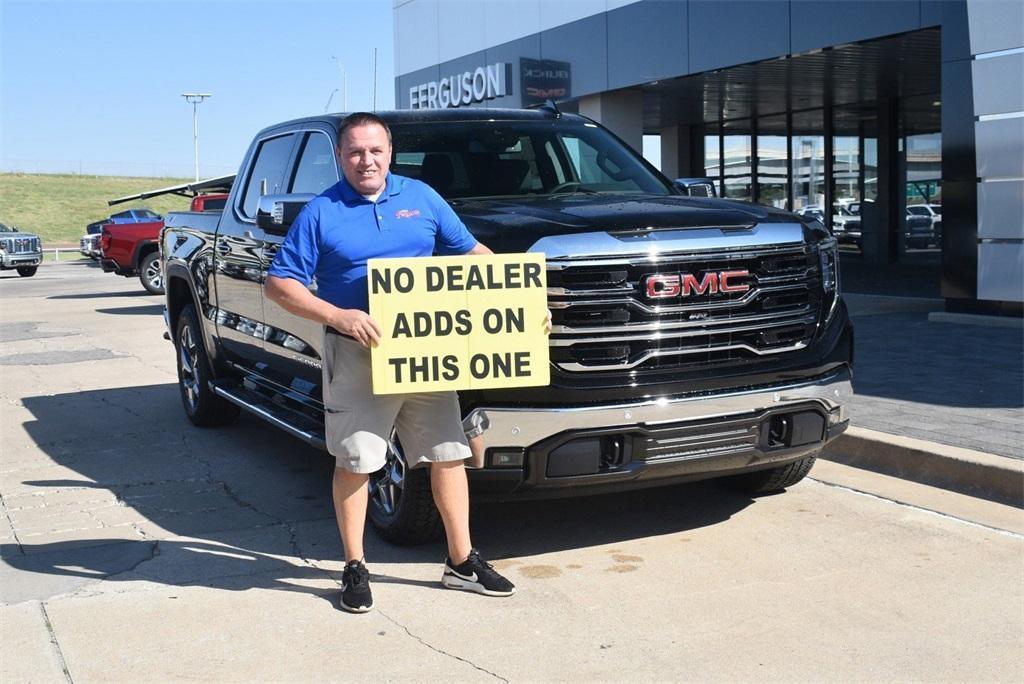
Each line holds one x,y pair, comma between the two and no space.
132,249
692,337
846,226
919,231
934,213
20,251
89,244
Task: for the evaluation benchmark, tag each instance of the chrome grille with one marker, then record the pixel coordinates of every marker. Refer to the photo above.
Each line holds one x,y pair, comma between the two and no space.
22,245
604,320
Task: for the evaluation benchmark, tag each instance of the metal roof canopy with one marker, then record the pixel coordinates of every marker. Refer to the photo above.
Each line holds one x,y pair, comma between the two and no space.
901,66
221,184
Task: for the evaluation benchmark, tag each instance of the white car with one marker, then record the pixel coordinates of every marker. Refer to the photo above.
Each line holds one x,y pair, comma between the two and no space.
932,211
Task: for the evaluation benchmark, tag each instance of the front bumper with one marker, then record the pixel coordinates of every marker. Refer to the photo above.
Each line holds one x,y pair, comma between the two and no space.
21,259
607,448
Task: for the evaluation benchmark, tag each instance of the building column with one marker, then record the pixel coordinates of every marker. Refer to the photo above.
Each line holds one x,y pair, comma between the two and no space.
882,220
682,151
670,152
621,112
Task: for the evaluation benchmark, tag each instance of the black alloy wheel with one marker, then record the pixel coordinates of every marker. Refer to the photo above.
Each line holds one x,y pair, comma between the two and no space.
202,406
27,271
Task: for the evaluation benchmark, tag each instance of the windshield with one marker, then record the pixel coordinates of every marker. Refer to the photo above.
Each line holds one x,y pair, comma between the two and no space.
463,160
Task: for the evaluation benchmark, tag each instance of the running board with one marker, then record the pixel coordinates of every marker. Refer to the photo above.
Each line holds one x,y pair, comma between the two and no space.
291,422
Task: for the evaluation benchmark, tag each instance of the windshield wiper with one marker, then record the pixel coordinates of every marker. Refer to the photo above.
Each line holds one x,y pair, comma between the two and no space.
571,188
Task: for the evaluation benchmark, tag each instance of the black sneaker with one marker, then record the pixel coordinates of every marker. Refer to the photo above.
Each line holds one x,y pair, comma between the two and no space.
476,574
355,588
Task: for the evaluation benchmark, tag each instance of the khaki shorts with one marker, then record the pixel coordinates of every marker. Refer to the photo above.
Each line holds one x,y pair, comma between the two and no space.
359,423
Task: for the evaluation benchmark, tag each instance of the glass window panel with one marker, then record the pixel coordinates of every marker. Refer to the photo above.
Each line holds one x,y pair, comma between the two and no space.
712,167
807,150
271,158
316,169
737,160
924,168
846,172
870,169
808,171
772,174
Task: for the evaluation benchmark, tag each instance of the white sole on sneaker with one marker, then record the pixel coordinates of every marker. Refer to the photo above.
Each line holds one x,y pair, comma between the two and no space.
453,582
360,609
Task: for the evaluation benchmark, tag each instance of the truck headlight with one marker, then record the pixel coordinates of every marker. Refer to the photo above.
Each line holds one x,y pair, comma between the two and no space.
828,262
828,255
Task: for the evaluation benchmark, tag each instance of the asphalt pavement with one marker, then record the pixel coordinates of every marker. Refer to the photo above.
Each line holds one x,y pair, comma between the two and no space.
139,548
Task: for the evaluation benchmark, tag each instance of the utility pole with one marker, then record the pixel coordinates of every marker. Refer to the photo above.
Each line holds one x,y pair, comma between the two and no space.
344,84
194,99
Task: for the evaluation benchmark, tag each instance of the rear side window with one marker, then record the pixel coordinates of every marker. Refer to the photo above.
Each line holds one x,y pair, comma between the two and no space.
271,160
316,170
122,215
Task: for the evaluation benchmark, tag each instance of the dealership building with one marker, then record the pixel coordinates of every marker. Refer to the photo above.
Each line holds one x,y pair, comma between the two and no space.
891,109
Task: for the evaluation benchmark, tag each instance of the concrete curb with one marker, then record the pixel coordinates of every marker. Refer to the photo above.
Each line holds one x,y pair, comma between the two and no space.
976,319
987,476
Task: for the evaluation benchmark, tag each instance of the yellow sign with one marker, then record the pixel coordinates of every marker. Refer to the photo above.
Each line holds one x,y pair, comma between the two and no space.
453,323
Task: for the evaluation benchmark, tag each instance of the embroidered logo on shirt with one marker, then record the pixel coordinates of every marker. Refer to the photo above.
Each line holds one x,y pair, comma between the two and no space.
407,213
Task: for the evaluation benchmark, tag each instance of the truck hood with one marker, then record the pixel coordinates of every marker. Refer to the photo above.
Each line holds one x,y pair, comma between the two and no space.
17,236
507,226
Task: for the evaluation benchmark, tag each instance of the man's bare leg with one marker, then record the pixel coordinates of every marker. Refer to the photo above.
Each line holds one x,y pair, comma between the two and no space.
350,496
451,495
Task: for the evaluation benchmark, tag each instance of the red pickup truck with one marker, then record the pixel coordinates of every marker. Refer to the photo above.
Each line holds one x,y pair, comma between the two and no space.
133,249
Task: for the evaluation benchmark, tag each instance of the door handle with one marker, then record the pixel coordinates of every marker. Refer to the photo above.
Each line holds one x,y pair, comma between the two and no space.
223,248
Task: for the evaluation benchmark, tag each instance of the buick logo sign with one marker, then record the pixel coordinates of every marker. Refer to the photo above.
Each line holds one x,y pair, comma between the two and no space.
669,285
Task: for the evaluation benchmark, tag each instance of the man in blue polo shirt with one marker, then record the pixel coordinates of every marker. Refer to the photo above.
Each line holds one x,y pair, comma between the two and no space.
371,213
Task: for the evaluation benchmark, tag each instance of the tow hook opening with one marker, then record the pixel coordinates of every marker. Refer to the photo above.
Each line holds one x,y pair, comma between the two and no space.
589,456
783,430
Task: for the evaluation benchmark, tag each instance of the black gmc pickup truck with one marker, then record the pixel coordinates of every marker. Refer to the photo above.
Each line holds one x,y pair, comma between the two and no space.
692,337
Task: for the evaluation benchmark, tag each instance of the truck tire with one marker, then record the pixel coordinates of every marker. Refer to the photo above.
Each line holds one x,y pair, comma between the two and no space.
27,271
202,406
150,275
773,479
401,506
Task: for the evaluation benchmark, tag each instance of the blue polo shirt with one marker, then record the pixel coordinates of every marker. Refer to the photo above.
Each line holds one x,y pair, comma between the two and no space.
334,235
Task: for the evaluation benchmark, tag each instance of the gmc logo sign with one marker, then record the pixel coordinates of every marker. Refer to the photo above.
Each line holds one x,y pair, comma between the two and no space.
686,284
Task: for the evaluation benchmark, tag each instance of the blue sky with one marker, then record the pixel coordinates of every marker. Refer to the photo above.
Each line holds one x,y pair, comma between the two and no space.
95,87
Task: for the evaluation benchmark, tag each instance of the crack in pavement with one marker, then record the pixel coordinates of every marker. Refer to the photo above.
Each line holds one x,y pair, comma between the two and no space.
398,624
10,523
54,642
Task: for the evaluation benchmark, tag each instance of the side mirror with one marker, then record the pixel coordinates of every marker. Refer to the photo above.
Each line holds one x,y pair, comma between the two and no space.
275,213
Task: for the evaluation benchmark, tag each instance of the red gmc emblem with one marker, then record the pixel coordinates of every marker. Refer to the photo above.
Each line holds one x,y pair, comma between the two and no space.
683,285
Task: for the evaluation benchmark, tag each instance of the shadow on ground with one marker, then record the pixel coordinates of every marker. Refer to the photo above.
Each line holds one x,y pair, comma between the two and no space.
147,310
232,508
102,295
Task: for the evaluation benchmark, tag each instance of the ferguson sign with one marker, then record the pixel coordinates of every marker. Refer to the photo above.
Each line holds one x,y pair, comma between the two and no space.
458,90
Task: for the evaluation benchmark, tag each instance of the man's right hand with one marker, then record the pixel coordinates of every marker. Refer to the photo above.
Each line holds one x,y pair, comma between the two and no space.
357,324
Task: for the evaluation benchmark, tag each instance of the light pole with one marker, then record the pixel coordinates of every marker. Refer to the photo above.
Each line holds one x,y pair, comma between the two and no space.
194,99
344,84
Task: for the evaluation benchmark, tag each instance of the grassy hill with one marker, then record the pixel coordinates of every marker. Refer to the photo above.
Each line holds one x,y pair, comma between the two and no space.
58,207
